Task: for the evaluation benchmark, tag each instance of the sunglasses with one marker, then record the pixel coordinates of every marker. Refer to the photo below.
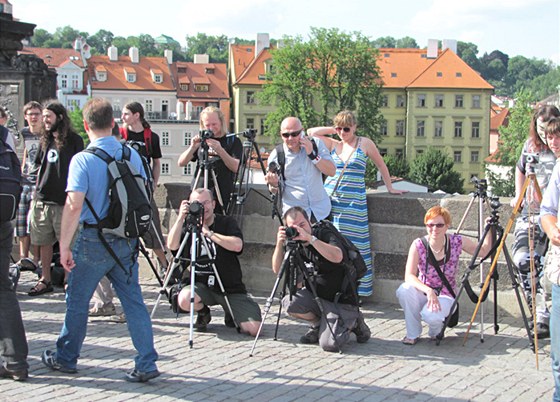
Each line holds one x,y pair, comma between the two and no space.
435,225
345,129
292,134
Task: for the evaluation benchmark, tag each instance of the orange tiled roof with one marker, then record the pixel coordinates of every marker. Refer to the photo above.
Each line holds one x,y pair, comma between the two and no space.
55,57
499,119
240,58
198,74
247,68
117,80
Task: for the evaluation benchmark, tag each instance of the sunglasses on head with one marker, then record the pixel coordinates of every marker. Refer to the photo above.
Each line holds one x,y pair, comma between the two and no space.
345,129
436,225
292,134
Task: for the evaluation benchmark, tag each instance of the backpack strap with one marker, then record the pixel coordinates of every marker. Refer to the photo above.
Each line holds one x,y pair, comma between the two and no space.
124,133
281,156
148,141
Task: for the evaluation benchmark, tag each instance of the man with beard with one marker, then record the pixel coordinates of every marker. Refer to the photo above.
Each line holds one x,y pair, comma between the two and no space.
59,144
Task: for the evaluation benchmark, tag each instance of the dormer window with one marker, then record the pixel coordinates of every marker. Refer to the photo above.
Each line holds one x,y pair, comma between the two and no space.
202,87
101,73
209,70
184,87
130,74
157,76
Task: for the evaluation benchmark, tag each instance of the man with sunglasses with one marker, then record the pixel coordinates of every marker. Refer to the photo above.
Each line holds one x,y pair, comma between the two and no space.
305,162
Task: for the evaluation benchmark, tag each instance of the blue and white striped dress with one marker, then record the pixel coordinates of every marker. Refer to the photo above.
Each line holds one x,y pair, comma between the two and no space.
349,209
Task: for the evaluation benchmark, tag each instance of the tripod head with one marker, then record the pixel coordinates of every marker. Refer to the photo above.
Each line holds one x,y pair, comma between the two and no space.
495,205
195,217
481,186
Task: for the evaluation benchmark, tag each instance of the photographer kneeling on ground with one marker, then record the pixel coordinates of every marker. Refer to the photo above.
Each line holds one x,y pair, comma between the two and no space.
324,251
225,240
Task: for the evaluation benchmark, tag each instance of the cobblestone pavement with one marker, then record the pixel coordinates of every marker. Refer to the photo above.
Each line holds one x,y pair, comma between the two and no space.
219,366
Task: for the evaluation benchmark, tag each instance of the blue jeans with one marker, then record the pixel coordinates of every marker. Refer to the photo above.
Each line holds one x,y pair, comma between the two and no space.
13,343
555,340
93,262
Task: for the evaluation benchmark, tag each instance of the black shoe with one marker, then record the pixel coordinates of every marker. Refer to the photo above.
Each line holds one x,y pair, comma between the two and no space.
49,359
203,319
16,375
542,330
362,331
139,376
311,336
228,320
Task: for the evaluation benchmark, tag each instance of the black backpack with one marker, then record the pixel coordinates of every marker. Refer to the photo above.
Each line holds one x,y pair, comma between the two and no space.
10,178
353,261
130,212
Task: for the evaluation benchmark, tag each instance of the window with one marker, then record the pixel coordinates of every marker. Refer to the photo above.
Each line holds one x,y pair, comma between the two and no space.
384,101
184,87
475,130
187,139
63,81
456,156
201,87
420,128
187,170
400,128
131,77
250,122
438,128
262,126
419,152
165,138
149,105
383,151
458,100
439,100
400,100
439,74
101,76
421,100
384,127
75,81
158,78
399,152
165,168
476,101
250,97
458,75
474,156
181,69
458,129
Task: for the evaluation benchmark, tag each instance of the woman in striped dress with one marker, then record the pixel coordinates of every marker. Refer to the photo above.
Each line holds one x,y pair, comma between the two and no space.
347,187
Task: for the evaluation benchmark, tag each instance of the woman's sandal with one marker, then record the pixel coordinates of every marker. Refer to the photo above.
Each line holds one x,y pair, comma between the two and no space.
409,341
40,288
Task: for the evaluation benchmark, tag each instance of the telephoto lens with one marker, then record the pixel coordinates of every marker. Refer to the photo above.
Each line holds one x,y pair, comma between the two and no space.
291,232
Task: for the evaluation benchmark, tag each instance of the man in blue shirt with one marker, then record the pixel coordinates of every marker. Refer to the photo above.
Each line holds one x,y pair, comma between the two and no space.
89,261
306,160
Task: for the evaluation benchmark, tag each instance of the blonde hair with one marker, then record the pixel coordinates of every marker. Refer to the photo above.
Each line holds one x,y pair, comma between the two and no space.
214,109
346,118
436,211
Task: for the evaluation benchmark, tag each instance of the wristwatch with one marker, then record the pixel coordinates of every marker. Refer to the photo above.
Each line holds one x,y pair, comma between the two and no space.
210,234
313,240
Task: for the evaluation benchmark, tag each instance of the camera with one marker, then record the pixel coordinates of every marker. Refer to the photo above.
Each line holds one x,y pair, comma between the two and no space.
273,167
531,158
291,232
196,208
205,134
250,133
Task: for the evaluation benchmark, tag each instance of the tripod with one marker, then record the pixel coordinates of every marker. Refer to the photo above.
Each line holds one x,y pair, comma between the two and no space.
293,263
242,189
206,168
531,179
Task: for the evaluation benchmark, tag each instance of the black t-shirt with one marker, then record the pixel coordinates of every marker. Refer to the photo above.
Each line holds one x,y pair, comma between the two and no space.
224,176
53,171
136,141
226,261
330,275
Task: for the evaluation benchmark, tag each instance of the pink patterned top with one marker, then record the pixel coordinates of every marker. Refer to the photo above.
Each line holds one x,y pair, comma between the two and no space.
430,276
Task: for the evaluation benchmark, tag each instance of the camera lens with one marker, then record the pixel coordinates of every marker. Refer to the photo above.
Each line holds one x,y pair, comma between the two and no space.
291,232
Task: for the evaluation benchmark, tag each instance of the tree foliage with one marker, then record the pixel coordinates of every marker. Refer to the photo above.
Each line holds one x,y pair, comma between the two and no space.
330,72
502,185
434,168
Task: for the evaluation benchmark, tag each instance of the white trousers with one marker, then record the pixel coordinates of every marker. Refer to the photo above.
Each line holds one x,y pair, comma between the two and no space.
414,304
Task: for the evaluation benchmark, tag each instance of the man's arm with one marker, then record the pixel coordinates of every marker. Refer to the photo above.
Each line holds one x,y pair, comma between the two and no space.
156,170
230,243
69,224
231,162
187,156
278,254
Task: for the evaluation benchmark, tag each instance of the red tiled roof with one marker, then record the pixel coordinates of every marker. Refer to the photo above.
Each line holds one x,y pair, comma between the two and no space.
198,74
117,80
55,57
499,119
240,58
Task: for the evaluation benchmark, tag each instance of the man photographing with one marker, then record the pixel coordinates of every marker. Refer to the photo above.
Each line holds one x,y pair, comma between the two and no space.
225,240
325,252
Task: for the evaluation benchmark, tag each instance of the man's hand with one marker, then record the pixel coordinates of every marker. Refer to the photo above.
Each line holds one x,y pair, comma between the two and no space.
184,209
307,144
67,260
215,145
271,179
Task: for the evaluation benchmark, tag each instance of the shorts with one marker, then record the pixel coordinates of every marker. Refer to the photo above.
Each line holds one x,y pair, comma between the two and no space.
244,308
46,221
150,238
22,217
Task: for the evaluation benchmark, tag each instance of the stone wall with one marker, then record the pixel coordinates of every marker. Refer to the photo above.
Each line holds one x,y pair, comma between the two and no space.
395,221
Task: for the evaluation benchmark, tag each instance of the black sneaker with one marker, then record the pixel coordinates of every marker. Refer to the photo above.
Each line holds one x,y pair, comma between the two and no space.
228,320
49,359
16,375
311,336
139,376
362,331
542,331
203,319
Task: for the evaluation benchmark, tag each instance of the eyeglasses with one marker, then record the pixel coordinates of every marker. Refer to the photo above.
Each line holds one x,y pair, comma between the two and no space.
345,129
435,225
33,114
292,134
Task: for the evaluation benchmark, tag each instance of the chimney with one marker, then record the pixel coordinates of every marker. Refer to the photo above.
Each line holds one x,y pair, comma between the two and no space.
262,42
180,109
113,54
168,54
432,49
201,59
449,44
133,54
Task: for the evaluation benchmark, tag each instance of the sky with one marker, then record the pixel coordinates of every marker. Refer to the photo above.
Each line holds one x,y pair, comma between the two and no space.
529,28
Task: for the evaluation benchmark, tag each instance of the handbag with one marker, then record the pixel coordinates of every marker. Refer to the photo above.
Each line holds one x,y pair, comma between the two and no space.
454,319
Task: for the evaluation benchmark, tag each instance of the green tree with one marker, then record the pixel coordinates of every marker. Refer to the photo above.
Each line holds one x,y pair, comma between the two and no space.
384,41
434,168
502,186
100,41
66,36
216,47
406,43
398,167
521,71
468,52
330,72
545,85
77,120
40,37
